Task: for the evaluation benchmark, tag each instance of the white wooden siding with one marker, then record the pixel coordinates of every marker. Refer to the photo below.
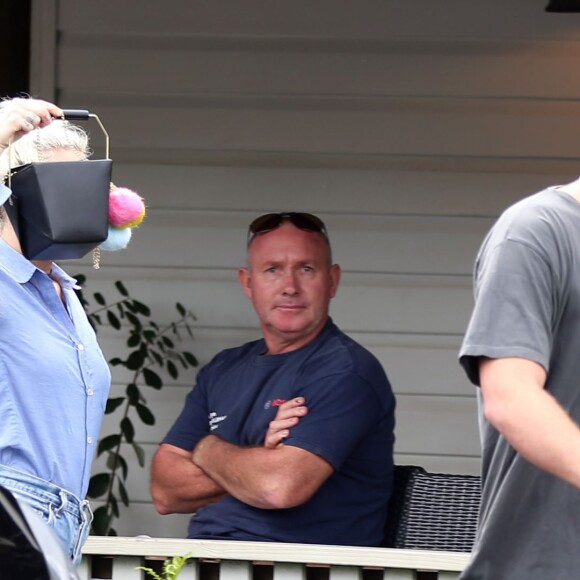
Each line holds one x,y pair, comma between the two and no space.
407,126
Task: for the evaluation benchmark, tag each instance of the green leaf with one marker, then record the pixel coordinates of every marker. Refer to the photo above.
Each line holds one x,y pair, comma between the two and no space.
117,461
152,379
101,521
115,361
151,572
149,335
123,493
81,279
121,288
158,358
145,414
134,339
168,342
172,369
142,308
139,453
99,485
113,404
136,360
108,443
133,393
127,429
190,358
134,321
180,309
99,298
113,320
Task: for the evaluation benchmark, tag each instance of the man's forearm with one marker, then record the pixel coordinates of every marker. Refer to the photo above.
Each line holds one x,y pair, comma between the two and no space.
265,478
178,485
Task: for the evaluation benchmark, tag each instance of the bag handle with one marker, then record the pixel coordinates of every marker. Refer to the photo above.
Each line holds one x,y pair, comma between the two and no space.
83,115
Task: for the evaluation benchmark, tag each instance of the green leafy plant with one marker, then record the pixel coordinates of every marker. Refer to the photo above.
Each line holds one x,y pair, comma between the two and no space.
171,568
151,353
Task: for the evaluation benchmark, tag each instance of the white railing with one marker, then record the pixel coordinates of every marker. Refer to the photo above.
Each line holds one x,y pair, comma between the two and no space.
238,560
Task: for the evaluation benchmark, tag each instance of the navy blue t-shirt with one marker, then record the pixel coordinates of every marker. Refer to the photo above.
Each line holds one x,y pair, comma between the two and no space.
350,423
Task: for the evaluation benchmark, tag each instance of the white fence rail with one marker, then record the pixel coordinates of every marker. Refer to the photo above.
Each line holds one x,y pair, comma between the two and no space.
117,558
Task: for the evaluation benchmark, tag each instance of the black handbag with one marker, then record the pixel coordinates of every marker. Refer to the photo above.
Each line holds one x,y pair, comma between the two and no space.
60,209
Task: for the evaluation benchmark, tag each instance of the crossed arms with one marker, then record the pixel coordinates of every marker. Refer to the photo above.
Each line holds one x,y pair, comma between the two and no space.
274,476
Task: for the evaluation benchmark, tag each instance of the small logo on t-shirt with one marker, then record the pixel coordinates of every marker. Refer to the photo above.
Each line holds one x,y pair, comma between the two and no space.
215,420
274,403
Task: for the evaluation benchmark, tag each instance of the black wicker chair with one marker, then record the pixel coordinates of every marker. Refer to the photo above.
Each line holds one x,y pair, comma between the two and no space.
432,511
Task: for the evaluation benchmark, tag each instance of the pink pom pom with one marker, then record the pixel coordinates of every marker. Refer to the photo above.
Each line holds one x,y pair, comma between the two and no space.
126,208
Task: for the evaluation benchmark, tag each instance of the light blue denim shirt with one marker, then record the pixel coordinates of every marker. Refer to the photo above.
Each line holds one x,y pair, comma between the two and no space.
54,380
5,193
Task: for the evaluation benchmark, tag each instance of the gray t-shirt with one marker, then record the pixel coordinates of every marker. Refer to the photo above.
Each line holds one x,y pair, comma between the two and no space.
527,304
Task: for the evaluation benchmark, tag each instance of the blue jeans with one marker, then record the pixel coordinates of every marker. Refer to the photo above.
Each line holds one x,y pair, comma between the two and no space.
64,512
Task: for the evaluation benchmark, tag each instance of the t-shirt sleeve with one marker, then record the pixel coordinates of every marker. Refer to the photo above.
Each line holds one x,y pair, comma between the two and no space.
341,410
193,422
514,304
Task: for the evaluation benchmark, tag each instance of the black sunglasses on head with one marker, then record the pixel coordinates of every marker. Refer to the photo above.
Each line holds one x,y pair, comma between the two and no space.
271,221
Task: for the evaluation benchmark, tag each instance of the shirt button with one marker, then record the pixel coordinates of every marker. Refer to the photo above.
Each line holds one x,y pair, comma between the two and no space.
90,392
80,346
89,439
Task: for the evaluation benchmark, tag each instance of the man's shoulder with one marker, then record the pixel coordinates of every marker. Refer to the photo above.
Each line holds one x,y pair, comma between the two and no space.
540,210
539,223
340,352
235,354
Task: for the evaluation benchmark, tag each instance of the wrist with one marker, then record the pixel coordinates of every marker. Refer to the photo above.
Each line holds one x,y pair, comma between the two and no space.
200,451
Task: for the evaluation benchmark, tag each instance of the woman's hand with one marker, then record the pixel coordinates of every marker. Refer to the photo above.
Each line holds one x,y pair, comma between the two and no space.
19,116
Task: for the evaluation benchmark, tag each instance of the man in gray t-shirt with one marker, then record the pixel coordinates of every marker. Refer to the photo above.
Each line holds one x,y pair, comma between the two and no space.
522,347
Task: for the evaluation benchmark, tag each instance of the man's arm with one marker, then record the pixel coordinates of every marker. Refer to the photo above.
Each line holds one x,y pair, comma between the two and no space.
179,486
533,422
278,478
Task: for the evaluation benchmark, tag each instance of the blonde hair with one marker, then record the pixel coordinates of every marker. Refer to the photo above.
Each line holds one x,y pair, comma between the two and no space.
37,144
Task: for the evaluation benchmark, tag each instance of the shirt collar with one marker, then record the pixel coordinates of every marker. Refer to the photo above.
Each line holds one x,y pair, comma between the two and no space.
22,270
5,193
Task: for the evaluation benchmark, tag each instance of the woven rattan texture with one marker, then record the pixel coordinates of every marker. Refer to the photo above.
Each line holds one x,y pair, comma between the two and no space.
433,511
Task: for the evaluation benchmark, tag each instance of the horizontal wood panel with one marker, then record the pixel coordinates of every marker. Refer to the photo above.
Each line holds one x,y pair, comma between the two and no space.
253,191
437,426
495,19
403,126
333,72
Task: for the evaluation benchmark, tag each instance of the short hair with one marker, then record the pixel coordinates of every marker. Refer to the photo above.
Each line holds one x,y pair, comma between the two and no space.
32,146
